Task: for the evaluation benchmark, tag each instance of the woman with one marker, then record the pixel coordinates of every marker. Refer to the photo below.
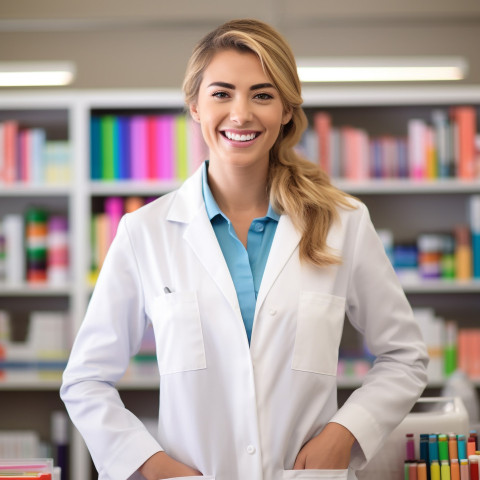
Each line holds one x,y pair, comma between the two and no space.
246,273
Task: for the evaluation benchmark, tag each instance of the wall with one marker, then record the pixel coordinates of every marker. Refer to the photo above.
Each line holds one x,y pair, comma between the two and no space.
146,43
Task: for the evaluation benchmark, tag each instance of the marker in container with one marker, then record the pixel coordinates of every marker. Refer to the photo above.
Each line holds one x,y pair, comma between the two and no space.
421,471
410,448
473,434
471,447
442,447
412,470
435,470
406,471
454,469
473,461
464,475
462,447
452,446
433,448
445,470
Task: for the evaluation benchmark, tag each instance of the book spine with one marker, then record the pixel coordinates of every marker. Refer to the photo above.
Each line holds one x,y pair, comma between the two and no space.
181,147
322,125
417,148
138,148
107,147
465,121
95,149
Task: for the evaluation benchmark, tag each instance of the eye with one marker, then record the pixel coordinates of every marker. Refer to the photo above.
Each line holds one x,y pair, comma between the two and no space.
263,96
220,94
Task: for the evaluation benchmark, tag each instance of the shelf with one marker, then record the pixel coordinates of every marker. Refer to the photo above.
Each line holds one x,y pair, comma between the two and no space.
407,186
26,290
441,286
31,190
131,187
29,381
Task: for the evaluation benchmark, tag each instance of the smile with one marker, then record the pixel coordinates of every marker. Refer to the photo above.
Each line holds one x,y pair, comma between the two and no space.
244,137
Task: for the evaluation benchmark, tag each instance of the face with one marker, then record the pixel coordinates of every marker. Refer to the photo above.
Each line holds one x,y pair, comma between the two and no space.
239,109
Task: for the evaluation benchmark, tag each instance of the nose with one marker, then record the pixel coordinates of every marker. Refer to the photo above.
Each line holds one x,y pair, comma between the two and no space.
240,112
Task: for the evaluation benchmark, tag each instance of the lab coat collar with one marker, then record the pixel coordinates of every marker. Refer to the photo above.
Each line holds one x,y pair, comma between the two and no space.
188,207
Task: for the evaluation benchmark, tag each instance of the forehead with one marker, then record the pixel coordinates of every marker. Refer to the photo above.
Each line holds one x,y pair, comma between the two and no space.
235,67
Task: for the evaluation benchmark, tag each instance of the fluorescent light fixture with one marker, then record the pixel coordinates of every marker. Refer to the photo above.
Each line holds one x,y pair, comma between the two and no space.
375,69
40,74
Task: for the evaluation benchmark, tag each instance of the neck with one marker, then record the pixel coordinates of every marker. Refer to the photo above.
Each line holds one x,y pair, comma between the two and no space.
239,189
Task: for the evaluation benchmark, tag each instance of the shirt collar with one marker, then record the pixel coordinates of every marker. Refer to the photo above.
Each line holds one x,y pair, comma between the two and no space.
211,205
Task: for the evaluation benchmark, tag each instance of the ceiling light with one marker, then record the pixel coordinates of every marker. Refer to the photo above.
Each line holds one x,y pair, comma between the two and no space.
374,69
31,74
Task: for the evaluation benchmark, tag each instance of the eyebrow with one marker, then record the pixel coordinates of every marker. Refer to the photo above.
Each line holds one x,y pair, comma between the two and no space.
230,86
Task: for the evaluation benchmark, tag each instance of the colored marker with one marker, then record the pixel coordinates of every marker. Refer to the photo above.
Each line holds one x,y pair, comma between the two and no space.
406,471
464,475
442,447
412,471
454,469
445,470
462,447
410,448
424,447
473,434
435,470
452,446
422,471
433,448
471,447
473,461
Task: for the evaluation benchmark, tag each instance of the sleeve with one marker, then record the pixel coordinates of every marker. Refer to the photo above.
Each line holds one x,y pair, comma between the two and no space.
378,308
110,334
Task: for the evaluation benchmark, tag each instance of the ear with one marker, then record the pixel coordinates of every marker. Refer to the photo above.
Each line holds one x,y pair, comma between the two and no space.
194,112
287,116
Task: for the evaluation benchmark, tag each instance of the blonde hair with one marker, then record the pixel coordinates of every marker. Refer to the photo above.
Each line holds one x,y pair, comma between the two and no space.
296,186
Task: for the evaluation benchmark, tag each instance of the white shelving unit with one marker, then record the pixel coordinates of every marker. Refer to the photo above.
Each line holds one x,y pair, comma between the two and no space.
384,198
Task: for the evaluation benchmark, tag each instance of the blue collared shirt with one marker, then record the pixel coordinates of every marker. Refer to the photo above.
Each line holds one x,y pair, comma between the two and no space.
246,265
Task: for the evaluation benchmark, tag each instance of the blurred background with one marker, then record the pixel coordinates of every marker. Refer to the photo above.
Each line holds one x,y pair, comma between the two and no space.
146,43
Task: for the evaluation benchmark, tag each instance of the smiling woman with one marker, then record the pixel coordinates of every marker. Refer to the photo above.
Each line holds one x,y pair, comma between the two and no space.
246,273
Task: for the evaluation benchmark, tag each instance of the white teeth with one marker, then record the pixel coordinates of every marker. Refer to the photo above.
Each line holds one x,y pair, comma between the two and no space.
240,138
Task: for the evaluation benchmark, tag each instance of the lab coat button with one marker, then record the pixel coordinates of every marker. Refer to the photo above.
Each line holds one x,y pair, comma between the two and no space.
251,450
272,312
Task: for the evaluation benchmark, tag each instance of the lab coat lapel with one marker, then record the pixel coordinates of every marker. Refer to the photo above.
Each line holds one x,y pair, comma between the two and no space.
286,240
188,208
201,238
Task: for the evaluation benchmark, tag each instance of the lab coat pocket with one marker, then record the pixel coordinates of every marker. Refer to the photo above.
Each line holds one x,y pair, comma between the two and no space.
319,331
315,474
178,334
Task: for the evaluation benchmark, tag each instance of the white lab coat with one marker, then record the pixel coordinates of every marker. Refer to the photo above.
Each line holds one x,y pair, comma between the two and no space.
232,411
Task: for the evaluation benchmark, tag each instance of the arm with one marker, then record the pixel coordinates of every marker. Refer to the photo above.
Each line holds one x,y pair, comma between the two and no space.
110,334
377,307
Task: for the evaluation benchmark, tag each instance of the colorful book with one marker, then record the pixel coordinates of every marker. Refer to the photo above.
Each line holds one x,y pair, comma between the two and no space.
322,124
10,151
181,140
167,147
138,147
417,148
95,149
123,148
107,129
464,119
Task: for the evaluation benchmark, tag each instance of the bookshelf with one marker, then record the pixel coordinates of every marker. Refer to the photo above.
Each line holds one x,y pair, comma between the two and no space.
66,116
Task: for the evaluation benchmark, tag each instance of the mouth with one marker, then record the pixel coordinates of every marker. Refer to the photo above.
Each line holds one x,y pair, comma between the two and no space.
242,137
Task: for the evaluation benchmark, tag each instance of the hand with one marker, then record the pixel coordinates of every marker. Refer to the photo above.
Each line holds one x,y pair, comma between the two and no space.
330,450
160,465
